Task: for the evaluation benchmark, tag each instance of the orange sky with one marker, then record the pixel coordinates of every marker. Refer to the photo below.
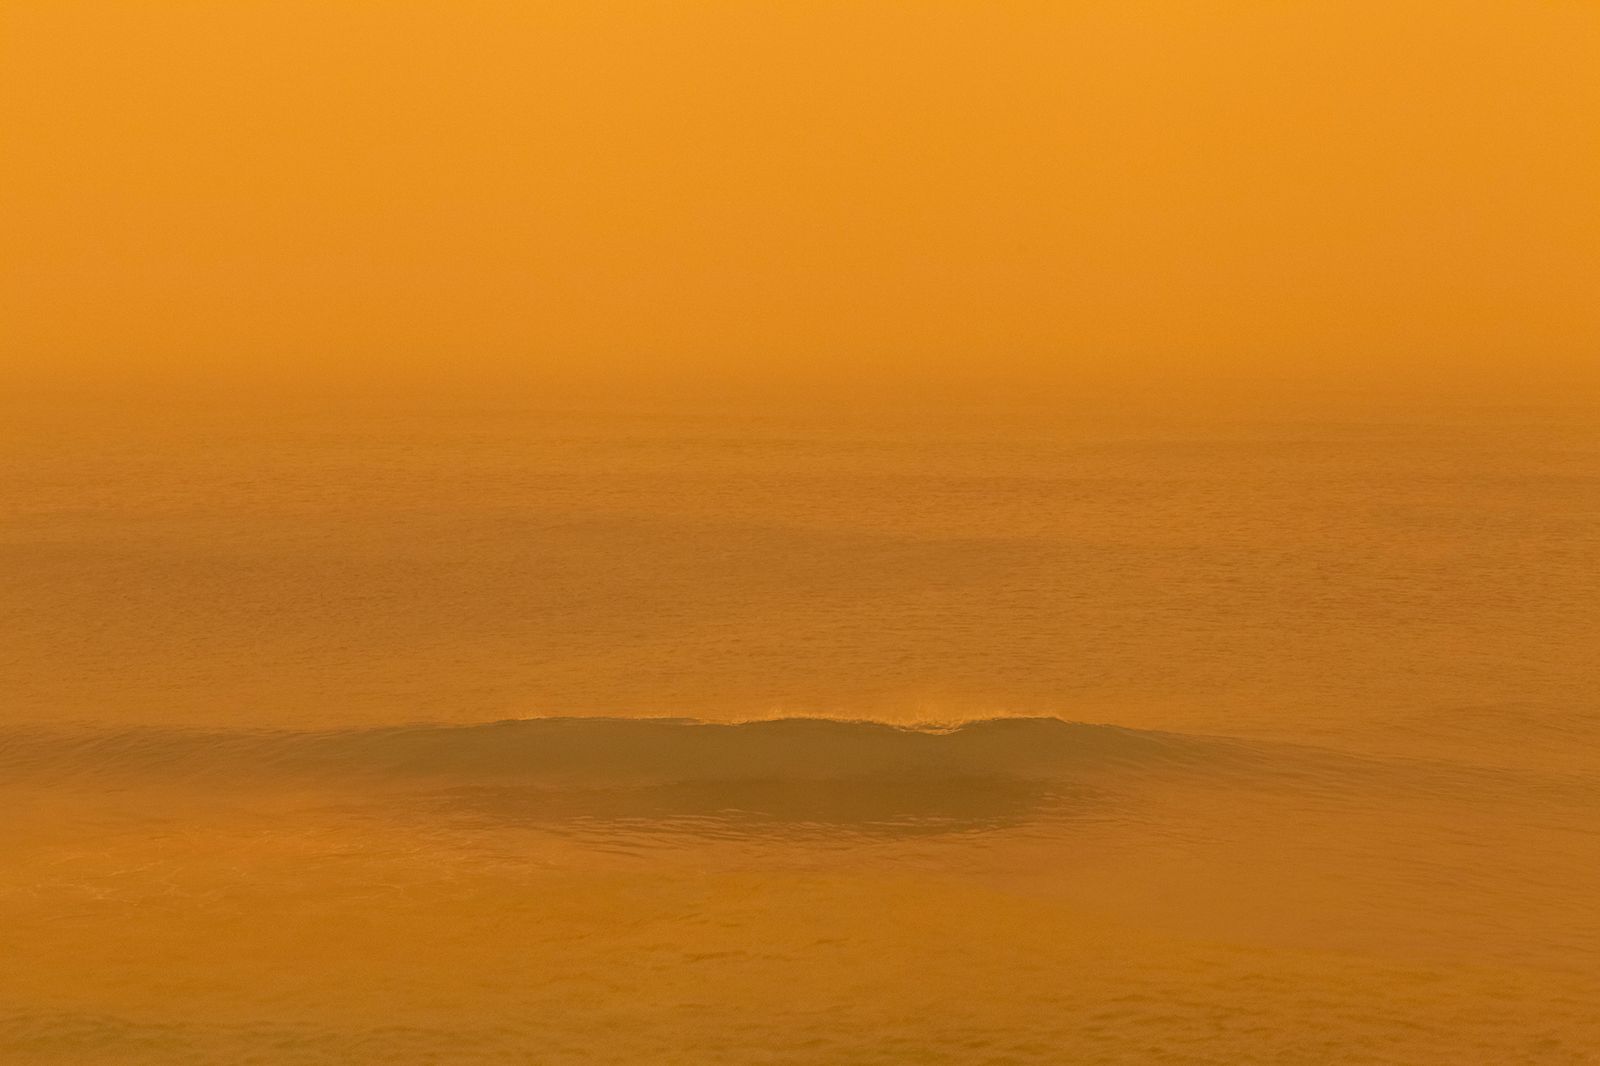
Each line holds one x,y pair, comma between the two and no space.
866,194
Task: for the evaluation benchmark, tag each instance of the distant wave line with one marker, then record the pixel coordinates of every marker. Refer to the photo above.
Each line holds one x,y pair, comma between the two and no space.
623,751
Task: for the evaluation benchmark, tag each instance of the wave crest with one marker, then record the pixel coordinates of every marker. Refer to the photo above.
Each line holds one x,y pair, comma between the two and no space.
618,751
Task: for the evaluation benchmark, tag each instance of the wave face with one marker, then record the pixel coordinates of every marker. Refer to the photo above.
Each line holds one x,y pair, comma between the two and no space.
838,773
761,774
620,751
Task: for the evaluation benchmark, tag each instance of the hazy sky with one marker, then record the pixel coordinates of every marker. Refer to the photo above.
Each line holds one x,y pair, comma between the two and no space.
862,194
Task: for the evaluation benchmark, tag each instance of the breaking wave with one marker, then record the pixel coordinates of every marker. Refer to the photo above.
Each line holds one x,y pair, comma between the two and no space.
661,771
622,751
650,773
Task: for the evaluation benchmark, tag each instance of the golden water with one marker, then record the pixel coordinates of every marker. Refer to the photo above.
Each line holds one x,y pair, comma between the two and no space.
491,736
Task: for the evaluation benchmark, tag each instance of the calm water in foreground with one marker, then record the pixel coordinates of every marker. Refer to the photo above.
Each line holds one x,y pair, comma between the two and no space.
516,737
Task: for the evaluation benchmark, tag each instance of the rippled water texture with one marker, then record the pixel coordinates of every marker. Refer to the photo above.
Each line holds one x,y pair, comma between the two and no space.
507,737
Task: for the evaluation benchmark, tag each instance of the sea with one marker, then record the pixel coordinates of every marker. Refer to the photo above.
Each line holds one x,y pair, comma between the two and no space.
492,733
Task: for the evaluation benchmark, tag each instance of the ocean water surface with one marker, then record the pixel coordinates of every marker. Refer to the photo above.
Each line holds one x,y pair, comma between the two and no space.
510,736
